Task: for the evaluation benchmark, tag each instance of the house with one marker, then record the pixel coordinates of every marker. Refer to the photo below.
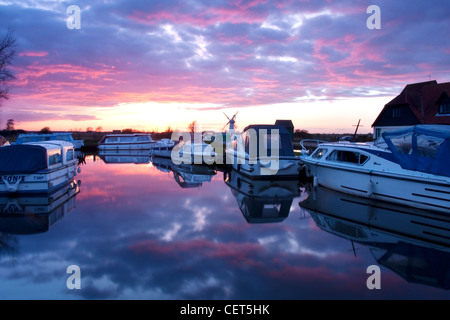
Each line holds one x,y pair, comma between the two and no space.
418,103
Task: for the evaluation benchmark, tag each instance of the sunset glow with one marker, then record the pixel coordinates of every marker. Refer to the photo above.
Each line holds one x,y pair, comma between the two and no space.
150,65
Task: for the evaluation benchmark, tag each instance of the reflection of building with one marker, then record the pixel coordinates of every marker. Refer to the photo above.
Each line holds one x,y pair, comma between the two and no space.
413,243
262,200
36,214
186,175
418,103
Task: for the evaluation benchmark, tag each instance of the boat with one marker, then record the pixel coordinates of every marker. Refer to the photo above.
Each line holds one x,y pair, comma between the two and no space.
414,243
162,148
407,167
132,141
264,150
139,156
61,136
37,167
262,200
31,214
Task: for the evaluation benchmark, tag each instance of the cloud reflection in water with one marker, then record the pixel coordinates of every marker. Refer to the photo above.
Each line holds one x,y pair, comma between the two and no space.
136,233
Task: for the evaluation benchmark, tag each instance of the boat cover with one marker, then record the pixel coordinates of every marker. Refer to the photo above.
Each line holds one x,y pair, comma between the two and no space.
22,159
424,148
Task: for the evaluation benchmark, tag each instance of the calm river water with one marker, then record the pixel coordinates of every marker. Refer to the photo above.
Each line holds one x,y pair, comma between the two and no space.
145,231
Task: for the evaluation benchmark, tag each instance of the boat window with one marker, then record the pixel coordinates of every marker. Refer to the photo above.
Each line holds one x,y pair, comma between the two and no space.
428,145
403,144
143,138
319,153
54,158
347,156
127,139
69,155
112,139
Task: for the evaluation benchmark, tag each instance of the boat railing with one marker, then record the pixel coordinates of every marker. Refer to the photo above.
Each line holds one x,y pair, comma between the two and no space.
309,145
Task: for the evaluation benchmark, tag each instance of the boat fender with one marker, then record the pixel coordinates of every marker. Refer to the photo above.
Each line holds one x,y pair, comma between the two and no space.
315,182
370,188
79,170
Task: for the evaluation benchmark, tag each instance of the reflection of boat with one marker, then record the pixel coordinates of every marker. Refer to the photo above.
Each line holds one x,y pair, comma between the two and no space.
163,148
412,242
38,137
133,141
36,214
186,175
125,156
261,200
264,150
409,167
39,167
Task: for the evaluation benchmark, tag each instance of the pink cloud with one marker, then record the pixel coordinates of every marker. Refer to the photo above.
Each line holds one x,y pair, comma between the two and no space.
33,54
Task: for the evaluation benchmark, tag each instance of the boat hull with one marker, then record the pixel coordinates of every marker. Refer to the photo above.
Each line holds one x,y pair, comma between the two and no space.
41,182
283,168
426,192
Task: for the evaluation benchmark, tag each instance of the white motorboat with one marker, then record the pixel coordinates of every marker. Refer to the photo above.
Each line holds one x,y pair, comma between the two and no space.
38,137
133,141
262,200
408,167
38,167
162,148
264,150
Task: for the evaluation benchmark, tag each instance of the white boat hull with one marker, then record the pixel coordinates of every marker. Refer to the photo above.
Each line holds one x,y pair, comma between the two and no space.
282,168
426,191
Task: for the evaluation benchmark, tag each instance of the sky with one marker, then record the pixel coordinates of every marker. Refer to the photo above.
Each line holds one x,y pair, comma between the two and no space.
150,65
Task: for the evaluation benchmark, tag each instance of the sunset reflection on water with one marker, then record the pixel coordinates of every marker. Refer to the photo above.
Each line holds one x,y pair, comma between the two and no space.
138,232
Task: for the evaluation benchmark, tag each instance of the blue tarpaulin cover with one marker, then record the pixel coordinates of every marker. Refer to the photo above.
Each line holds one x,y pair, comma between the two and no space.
424,148
22,159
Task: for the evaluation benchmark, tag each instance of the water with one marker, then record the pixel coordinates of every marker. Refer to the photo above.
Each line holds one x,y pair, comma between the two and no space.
139,232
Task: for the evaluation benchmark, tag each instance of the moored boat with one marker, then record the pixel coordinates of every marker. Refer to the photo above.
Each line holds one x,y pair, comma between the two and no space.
408,167
264,150
162,148
38,137
39,167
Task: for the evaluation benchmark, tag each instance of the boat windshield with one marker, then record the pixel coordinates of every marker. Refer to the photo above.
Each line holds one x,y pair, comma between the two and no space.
423,148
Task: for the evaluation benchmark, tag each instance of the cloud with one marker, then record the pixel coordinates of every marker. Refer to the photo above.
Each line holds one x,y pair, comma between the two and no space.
240,53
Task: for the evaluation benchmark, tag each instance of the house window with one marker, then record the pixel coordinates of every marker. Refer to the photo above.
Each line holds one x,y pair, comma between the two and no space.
444,108
396,112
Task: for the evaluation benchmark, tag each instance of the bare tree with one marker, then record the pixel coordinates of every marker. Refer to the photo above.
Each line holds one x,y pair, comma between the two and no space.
192,126
7,52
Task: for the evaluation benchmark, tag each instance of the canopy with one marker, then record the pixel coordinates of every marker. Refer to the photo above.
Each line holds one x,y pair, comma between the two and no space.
22,159
264,132
423,148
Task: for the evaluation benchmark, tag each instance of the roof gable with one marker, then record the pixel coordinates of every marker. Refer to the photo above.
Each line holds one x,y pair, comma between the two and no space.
422,100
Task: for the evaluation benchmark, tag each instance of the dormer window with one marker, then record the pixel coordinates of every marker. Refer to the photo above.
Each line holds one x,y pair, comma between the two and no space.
444,108
444,104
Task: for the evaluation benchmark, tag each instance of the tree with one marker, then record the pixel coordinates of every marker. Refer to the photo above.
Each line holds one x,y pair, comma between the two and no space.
7,52
10,125
99,129
45,130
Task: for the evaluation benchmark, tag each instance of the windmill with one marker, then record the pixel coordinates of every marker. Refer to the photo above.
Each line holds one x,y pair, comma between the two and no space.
231,121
